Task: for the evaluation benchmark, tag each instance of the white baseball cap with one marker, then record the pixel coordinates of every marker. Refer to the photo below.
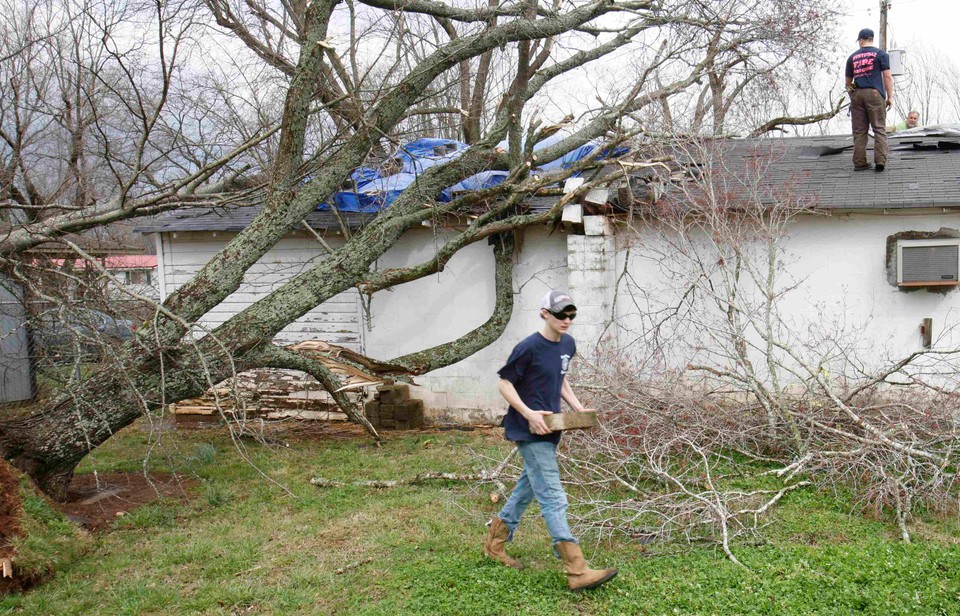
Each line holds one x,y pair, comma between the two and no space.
555,301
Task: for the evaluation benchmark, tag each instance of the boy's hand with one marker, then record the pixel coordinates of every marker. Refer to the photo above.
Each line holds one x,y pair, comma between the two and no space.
535,419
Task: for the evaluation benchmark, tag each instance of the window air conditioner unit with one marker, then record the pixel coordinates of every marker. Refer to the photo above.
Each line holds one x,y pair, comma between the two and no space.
926,263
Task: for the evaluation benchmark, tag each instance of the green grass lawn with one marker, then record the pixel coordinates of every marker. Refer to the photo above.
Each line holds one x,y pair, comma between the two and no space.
244,546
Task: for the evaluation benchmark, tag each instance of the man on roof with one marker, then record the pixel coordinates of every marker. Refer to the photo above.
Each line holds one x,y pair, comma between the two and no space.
912,121
870,85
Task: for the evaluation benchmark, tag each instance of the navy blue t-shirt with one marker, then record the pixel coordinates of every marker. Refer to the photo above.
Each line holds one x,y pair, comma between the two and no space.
866,67
536,368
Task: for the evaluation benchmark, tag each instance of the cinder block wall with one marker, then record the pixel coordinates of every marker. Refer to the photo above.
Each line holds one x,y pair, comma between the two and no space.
592,278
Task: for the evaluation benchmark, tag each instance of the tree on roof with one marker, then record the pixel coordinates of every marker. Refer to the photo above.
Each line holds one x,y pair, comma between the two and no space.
108,120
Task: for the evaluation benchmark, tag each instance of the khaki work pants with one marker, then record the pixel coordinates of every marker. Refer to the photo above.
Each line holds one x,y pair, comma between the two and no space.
867,108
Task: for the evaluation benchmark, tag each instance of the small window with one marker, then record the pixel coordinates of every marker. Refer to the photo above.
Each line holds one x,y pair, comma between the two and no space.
926,263
138,277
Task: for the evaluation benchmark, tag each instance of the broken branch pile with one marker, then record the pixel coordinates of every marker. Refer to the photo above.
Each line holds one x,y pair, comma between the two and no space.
661,463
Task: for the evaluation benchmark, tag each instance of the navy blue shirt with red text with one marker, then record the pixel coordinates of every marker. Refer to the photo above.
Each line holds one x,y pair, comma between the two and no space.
866,68
536,368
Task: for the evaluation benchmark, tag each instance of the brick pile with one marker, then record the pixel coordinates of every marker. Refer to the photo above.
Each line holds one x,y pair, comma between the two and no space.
394,410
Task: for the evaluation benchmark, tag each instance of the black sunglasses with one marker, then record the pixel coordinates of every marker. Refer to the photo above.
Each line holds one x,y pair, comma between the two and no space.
560,316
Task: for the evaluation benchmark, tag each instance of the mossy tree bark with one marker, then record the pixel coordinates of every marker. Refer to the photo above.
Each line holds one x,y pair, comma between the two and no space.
165,363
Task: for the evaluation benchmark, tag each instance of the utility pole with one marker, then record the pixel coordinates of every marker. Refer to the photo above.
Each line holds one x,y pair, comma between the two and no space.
884,7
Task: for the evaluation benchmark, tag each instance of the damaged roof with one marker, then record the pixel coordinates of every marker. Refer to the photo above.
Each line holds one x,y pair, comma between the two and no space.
237,218
923,170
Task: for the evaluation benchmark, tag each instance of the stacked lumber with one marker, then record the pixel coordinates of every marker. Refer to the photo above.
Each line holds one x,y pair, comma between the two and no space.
265,394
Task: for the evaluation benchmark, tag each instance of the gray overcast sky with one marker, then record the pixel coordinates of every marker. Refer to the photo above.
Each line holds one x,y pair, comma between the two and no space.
933,22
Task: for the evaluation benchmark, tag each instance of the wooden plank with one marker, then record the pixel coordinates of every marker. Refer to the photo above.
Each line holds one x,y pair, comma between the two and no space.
193,410
308,415
571,421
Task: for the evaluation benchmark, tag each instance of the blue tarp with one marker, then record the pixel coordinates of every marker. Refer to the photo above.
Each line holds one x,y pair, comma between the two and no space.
418,156
375,192
484,179
567,160
373,195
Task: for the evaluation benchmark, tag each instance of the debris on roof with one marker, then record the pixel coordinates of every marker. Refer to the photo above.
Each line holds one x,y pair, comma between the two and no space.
372,188
923,170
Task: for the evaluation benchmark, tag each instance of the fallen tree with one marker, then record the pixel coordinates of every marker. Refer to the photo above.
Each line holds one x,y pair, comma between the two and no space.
337,115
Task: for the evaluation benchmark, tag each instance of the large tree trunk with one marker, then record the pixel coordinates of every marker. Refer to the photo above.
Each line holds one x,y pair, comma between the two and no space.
49,445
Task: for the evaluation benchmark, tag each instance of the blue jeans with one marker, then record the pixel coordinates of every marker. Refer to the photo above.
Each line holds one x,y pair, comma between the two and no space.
540,479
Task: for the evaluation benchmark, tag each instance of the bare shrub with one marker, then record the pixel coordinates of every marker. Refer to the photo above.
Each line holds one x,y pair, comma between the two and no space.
716,383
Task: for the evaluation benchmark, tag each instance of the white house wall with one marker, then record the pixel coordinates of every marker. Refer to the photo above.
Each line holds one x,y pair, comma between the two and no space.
837,262
336,321
839,266
440,308
163,248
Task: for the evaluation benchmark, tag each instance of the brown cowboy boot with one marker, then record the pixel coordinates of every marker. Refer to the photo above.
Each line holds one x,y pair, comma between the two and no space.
494,544
579,575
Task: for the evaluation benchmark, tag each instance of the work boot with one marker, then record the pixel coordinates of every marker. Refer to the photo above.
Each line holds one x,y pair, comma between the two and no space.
494,545
579,575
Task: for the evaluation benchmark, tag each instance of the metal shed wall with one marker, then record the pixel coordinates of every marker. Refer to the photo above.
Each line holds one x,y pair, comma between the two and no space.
16,375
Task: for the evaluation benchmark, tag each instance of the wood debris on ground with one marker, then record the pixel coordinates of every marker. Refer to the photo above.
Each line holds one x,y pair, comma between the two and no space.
266,394
282,394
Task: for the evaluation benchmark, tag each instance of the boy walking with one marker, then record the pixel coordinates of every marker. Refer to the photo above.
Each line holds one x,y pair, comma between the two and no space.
533,383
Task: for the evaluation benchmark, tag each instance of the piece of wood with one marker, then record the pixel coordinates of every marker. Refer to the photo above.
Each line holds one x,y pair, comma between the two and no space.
310,415
193,410
571,421
321,482
931,283
352,566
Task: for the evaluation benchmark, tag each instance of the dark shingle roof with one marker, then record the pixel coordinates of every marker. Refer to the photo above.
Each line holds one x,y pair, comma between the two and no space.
230,218
922,171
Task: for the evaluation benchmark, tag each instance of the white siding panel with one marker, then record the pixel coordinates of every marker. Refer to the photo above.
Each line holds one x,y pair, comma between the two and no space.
336,321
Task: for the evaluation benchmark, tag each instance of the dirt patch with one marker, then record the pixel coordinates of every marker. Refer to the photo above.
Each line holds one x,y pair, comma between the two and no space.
10,506
11,509
96,501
